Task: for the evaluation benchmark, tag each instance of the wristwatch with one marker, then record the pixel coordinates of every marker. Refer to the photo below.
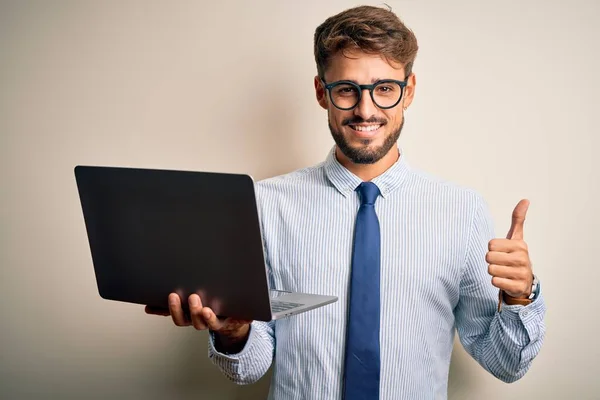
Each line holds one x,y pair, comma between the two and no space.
535,288
511,301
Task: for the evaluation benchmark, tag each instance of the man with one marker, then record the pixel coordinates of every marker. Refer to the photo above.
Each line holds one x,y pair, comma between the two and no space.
411,257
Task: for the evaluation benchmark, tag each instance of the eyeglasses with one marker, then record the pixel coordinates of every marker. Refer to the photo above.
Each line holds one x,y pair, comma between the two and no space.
346,95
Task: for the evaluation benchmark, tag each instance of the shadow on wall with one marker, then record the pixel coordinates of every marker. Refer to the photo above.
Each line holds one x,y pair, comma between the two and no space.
199,378
275,134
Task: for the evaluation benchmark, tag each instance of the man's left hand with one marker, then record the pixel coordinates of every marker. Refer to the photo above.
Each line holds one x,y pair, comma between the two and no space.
508,259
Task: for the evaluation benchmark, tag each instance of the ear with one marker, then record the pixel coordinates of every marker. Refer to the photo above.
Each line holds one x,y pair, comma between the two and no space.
320,93
409,90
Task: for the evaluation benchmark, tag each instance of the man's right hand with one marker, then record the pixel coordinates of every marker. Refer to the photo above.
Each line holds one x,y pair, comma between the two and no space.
231,334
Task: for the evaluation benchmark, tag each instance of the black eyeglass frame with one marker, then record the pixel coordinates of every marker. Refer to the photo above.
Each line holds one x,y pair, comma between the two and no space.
361,88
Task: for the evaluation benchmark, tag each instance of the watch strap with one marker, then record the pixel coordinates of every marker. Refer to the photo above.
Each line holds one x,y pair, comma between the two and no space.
511,301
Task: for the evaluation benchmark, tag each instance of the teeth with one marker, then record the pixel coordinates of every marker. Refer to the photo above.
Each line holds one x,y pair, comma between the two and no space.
368,128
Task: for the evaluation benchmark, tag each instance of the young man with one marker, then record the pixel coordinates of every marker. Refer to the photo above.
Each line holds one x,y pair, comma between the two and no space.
410,257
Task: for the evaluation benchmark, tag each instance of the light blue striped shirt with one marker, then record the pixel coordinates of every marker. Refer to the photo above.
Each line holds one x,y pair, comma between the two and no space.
434,238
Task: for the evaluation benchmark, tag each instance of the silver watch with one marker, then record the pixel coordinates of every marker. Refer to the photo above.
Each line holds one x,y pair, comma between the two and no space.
534,288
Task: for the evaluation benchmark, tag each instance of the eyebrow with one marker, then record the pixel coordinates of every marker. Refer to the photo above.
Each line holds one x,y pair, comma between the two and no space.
353,81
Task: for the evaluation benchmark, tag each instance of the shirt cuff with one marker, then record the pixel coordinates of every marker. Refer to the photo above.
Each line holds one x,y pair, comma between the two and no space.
531,315
232,356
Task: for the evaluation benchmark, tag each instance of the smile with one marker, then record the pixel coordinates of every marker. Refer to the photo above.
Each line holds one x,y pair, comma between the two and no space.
365,128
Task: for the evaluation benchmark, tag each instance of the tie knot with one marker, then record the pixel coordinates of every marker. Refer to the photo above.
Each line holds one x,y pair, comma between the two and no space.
368,192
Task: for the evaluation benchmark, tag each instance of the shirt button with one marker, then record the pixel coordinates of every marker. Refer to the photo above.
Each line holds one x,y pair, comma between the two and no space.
525,313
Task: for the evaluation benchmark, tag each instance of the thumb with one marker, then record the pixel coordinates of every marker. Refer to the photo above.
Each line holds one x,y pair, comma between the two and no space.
518,219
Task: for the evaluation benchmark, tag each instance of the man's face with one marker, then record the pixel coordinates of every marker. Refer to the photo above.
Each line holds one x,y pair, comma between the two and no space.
366,133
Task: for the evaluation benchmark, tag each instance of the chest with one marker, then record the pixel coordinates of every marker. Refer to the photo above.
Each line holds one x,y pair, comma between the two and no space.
422,251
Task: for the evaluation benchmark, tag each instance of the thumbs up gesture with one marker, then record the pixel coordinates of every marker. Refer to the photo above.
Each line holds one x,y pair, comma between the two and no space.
508,259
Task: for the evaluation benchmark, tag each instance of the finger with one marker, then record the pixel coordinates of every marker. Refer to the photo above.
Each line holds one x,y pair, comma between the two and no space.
176,310
518,220
510,286
156,311
507,245
211,319
196,312
508,259
502,271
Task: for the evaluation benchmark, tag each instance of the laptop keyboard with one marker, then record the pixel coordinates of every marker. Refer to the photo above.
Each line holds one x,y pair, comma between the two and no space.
278,306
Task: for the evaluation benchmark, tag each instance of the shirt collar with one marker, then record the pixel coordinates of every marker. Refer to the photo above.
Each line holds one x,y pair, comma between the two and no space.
346,182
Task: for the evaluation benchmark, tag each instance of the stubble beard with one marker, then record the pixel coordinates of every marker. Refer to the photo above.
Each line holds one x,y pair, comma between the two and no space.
364,154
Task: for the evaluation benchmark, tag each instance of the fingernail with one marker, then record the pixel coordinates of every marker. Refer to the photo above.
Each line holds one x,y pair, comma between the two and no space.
194,300
172,299
206,314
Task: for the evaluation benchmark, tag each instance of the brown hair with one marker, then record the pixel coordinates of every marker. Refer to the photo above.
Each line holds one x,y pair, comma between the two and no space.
373,30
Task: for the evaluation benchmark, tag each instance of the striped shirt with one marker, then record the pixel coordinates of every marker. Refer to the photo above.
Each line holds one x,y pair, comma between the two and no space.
434,279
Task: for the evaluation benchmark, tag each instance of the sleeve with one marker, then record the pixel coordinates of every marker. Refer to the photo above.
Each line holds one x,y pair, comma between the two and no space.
506,342
255,359
250,364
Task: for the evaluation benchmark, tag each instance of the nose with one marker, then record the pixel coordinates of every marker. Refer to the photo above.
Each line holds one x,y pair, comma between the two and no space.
365,107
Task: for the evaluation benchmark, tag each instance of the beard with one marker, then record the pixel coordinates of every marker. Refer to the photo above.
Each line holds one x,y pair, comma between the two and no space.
364,154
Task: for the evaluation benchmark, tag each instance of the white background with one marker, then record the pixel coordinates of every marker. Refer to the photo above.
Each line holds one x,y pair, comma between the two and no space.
505,102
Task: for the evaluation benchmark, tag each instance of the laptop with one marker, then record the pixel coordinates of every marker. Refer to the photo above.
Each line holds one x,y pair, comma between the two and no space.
153,232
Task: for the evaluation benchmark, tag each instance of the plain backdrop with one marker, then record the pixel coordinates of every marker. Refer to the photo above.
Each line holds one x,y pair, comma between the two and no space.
506,103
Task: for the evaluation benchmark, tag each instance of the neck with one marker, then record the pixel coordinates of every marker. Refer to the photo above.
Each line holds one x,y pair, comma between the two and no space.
368,172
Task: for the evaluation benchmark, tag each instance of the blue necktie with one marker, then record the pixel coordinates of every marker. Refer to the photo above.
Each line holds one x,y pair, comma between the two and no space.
362,362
